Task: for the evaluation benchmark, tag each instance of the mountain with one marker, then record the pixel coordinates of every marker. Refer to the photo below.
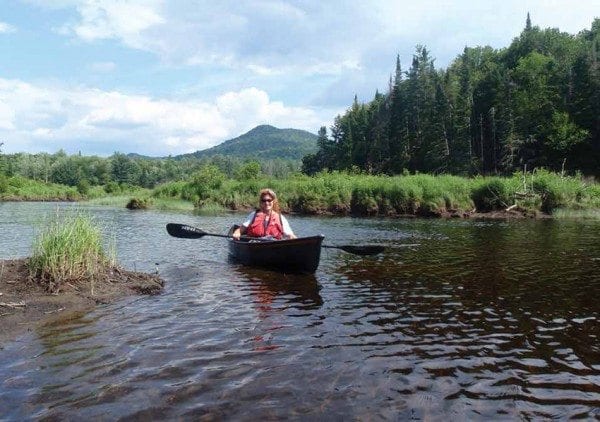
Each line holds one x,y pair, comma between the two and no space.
264,142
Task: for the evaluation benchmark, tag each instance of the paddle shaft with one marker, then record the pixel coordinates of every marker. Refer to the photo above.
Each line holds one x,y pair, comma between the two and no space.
185,231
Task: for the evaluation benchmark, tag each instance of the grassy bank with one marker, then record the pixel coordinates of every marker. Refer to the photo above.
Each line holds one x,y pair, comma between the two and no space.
19,188
418,195
534,193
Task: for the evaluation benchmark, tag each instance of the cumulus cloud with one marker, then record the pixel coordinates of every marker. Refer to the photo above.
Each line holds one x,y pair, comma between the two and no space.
45,118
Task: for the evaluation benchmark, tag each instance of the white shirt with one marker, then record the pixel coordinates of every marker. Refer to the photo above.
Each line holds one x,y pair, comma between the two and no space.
287,230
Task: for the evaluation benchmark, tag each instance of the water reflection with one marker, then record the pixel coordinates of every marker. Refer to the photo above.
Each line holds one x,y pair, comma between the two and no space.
481,320
505,313
275,297
300,290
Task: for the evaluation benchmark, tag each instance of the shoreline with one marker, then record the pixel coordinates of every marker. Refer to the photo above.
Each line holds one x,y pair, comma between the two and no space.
25,304
512,212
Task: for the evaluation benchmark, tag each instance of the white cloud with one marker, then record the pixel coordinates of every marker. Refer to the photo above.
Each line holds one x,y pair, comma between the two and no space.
125,20
37,118
6,28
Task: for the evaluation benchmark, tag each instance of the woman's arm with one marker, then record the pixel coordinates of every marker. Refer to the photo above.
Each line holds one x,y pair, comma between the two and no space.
287,229
241,230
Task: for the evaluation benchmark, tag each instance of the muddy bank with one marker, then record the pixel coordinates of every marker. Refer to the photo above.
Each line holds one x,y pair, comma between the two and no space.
24,303
509,213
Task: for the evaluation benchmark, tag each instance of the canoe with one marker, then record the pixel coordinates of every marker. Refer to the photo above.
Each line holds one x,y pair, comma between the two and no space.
299,255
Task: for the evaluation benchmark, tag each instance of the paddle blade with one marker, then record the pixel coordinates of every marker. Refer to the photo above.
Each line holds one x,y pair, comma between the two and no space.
358,250
184,231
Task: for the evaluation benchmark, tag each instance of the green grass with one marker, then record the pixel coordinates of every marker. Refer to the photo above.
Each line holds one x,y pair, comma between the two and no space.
69,250
18,188
117,201
170,204
421,194
341,193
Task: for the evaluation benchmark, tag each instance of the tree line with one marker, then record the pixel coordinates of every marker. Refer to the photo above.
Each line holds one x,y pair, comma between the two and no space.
533,104
121,170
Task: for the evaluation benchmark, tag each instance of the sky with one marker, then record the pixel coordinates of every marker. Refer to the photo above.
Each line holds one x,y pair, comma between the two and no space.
166,77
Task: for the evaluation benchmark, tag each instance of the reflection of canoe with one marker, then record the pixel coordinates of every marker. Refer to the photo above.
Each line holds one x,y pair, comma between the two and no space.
291,255
300,290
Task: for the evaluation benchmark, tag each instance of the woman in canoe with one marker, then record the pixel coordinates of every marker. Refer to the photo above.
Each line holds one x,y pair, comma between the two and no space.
266,221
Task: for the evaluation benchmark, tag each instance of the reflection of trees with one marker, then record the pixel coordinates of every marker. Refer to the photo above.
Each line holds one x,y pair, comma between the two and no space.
525,289
545,267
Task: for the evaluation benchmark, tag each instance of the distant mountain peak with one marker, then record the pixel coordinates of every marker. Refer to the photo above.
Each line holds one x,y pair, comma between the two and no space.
265,142
262,127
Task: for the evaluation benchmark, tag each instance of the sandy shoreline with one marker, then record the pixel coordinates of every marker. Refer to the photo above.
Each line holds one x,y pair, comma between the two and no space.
24,303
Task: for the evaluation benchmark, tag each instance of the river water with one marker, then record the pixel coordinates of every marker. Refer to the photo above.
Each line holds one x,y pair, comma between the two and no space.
475,320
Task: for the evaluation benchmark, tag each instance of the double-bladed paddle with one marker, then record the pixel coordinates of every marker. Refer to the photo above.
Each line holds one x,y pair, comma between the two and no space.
185,231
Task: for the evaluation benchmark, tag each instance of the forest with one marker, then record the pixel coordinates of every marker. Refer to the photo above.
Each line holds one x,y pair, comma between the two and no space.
533,104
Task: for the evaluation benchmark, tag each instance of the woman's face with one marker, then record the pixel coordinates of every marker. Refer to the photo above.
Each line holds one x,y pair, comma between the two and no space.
266,203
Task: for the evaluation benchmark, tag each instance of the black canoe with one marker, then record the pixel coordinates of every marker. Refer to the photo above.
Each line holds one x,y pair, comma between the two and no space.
299,255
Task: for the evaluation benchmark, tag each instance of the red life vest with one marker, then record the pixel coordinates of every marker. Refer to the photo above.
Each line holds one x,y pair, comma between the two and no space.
259,227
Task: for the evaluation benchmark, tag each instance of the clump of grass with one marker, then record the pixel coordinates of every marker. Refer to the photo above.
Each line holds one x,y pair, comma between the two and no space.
69,249
138,204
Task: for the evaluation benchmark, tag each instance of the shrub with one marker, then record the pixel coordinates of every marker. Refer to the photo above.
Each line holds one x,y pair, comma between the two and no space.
138,203
112,187
17,181
248,171
491,194
3,183
170,190
205,180
556,191
83,187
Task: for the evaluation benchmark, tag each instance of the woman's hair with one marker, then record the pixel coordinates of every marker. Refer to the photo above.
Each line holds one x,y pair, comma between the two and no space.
272,194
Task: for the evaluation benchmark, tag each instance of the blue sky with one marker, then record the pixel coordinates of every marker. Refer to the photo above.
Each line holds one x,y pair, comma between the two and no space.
165,77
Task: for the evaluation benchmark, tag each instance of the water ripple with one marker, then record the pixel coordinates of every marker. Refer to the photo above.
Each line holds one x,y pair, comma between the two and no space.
482,320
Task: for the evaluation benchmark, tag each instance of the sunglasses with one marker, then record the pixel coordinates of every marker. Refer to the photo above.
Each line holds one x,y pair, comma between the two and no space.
266,200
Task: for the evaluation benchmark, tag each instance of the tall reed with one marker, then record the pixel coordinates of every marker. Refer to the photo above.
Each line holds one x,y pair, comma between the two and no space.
69,249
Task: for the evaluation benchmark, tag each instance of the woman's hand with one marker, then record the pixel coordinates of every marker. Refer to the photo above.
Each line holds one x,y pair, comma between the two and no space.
236,234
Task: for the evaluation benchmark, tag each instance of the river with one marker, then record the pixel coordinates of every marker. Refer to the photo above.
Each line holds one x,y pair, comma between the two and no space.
458,319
